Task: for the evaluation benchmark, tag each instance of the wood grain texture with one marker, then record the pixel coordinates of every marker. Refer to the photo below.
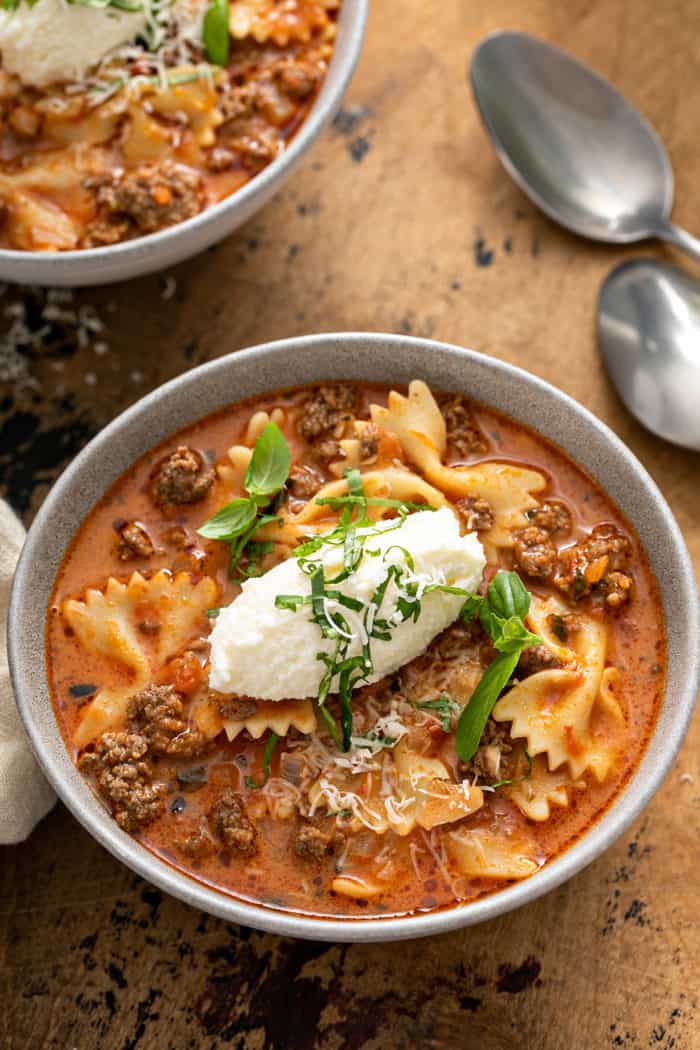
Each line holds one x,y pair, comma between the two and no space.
400,220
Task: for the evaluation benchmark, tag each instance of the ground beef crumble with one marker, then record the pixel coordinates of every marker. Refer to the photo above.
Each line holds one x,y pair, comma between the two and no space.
197,845
369,443
591,566
232,824
534,552
134,542
182,477
463,435
538,658
325,410
313,844
158,714
553,516
594,565
488,762
252,112
476,513
142,201
303,484
617,588
124,777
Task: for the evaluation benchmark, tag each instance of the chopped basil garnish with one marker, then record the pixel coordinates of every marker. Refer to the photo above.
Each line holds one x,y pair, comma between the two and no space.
269,748
374,741
237,522
445,707
215,32
502,613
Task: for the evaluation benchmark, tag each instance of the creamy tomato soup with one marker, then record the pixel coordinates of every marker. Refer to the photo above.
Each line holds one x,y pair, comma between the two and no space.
412,654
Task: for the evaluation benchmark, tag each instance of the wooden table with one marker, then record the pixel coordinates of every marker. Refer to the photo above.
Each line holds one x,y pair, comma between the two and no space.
400,220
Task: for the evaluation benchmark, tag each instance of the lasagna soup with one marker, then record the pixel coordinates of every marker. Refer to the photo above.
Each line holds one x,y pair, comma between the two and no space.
346,651
123,117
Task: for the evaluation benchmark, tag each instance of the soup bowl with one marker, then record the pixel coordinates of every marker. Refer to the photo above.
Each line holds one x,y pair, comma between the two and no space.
156,251
385,359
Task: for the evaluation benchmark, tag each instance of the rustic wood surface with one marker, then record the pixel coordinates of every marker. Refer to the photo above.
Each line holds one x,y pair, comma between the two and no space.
400,220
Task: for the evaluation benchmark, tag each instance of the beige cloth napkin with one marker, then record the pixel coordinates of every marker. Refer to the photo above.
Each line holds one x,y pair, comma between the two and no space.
25,796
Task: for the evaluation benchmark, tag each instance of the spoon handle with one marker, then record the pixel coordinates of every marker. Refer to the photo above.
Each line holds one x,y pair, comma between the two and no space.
681,239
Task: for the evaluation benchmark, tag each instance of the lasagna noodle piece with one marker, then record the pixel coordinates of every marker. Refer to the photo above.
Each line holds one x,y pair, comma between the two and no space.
106,623
423,795
277,716
482,854
553,710
535,794
507,488
282,21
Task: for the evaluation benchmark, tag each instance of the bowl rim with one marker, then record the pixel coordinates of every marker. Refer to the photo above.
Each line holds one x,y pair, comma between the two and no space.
322,111
624,808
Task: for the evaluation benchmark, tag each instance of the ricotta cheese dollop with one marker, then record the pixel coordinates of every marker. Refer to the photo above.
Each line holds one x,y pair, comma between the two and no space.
53,41
261,651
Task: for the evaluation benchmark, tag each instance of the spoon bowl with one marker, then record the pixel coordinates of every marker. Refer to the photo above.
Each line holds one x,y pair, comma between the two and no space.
649,337
573,144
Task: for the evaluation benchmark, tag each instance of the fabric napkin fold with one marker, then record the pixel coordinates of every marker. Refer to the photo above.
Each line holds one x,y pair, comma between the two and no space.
25,796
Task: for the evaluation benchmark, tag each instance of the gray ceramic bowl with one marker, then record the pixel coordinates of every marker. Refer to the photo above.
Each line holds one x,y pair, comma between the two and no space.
160,250
390,359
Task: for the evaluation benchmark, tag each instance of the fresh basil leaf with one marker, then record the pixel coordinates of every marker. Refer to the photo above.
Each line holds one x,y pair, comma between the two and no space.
513,636
488,620
269,465
215,32
507,596
472,605
269,748
232,520
475,715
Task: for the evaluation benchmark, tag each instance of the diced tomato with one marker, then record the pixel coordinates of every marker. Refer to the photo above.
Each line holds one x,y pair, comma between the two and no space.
184,672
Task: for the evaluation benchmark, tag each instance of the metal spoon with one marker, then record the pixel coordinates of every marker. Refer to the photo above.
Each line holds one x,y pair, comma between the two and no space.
649,336
573,144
